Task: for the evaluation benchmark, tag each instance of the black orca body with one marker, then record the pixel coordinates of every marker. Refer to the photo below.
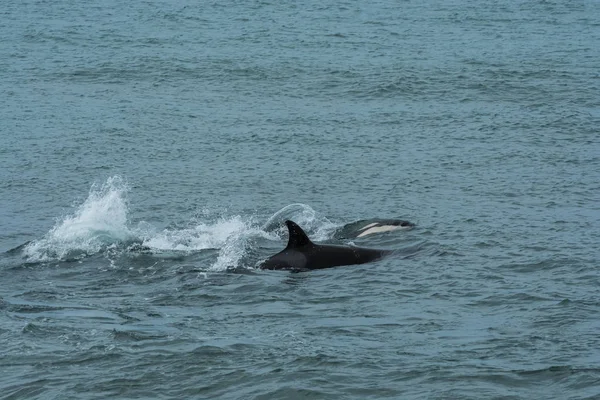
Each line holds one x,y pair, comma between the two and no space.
301,254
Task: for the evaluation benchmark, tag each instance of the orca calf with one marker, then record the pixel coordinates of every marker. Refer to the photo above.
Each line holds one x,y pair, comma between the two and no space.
367,227
303,255
384,225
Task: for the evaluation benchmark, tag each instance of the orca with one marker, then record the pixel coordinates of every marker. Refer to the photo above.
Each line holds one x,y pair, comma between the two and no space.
303,255
384,226
365,227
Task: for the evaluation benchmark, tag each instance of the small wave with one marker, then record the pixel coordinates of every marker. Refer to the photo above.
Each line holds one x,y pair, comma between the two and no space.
316,225
558,370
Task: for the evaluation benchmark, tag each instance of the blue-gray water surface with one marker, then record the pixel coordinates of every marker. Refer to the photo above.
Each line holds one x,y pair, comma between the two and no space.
149,152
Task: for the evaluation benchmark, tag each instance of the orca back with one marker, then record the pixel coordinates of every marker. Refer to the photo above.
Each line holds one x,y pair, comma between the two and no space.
302,254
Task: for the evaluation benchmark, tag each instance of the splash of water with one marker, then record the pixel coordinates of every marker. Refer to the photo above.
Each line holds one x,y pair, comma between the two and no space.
199,237
100,220
238,246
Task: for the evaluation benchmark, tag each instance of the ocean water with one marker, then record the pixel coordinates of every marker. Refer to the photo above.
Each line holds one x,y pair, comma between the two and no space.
149,152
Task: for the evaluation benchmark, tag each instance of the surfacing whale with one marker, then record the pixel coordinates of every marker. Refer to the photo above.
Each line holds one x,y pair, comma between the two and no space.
365,227
302,255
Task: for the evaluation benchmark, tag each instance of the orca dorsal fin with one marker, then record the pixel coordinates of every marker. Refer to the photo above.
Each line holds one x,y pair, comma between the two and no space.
297,237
